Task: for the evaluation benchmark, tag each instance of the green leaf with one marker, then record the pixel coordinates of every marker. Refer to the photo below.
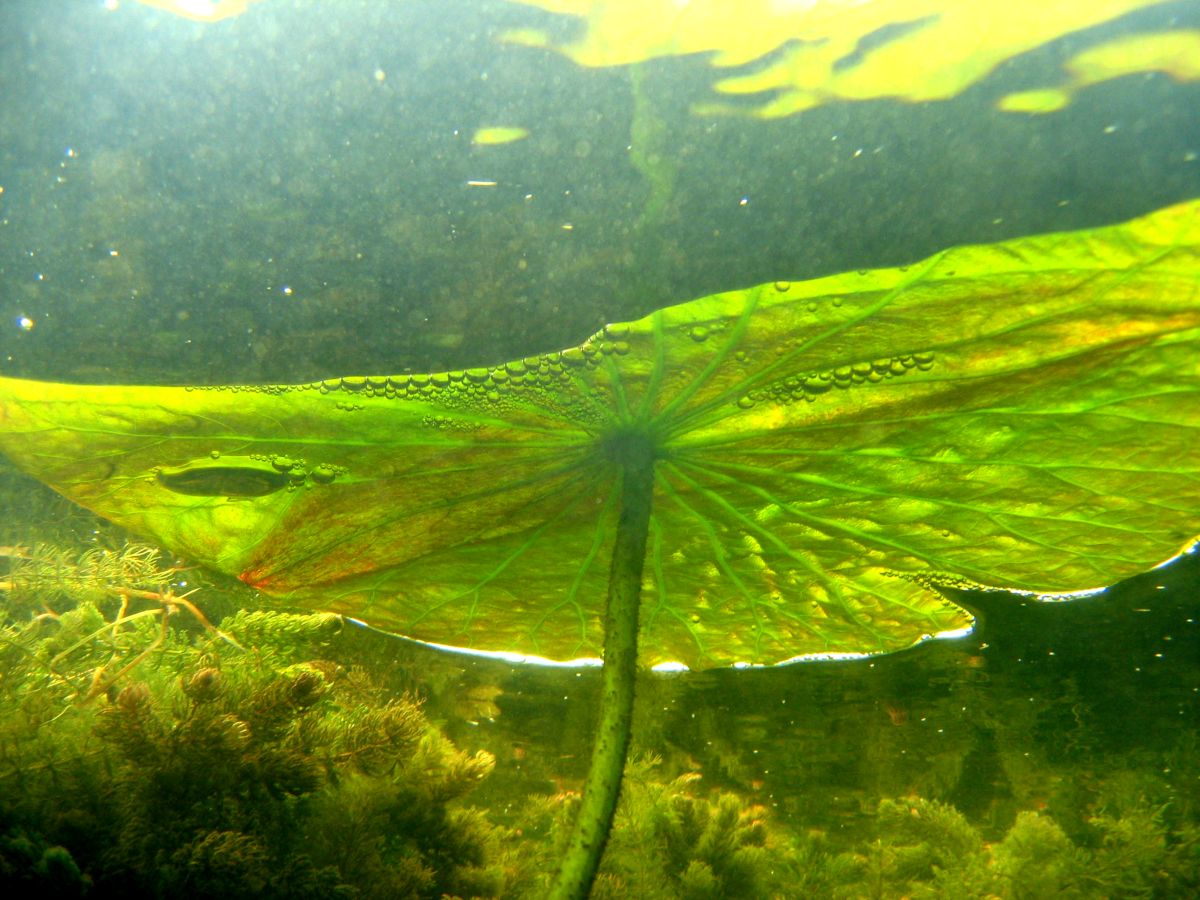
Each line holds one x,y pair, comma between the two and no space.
1021,415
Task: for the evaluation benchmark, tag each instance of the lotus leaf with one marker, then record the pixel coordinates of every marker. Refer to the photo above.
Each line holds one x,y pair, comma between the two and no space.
1020,415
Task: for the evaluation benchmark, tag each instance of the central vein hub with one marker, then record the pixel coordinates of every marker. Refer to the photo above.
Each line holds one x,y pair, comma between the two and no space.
631,448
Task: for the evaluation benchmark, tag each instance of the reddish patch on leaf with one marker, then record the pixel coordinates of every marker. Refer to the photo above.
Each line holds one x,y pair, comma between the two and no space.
255,581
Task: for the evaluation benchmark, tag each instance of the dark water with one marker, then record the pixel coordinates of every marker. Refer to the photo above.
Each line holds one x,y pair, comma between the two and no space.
227,163
284,196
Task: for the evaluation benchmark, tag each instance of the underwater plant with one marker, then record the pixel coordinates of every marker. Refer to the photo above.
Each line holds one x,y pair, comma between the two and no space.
673,838
751,477
929,849
42,576
235,764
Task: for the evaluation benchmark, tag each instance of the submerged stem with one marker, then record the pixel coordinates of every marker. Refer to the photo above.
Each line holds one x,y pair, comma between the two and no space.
593,820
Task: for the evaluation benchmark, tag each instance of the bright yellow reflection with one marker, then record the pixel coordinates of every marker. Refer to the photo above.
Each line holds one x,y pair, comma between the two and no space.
1176,53
499,135
202,10
820,51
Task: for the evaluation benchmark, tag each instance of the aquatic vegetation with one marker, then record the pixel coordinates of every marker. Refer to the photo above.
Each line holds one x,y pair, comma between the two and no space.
672,840
43,576
218,767
677,838
777,420
928,849
823,455
46,574
29,866
223,769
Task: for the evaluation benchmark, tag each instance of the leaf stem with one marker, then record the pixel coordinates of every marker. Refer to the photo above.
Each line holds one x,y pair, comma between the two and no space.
635,454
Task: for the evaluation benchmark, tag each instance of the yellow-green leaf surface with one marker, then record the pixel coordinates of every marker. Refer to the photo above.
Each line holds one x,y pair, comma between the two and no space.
810,53
1025,415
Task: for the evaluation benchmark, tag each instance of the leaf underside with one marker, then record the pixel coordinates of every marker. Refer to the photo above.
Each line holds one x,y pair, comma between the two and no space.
1021,415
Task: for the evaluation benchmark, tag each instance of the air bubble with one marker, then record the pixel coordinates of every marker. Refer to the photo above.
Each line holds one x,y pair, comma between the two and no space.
617,331
323,474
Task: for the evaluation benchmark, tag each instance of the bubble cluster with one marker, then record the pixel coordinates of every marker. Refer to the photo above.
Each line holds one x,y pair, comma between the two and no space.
298,471
812,385
935,580
493,387
445,423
